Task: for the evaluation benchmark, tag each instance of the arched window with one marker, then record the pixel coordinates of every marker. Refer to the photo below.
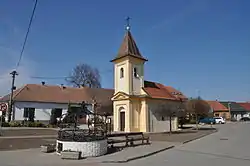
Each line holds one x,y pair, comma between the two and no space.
121,73
135,72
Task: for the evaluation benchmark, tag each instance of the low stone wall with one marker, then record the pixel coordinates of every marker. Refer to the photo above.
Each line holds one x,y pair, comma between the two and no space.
87,149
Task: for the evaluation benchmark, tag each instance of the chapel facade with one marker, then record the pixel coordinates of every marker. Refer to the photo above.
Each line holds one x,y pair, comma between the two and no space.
138,104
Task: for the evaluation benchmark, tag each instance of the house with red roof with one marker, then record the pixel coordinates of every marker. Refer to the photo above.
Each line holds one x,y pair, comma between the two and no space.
236,110
39,101
219,110
246,106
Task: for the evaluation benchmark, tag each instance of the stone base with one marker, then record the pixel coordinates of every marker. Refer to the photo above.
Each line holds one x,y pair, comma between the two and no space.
48,148
87,149
71,155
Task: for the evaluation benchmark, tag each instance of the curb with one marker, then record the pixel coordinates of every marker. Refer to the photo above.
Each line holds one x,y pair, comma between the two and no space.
139,157
198,137
28,137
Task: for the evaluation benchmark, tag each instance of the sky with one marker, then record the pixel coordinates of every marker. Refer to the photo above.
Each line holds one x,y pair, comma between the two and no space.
201,47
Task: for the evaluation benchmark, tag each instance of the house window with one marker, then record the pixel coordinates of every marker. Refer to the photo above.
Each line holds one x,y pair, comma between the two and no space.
217,114
135,73
57,112
29,113
121,73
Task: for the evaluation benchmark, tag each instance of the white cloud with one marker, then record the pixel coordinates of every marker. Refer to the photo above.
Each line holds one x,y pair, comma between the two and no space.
10,46
8,63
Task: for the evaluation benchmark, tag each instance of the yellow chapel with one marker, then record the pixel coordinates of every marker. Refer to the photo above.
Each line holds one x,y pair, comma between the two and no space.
139,105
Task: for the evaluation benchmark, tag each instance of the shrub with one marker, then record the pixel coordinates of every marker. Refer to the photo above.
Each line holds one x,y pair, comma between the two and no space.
35,124
192,121
15,124
5,124
3,118
51,126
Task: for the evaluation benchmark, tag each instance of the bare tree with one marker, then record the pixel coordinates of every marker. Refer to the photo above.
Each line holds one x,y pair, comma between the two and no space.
181,114
168,110
198,107
84,75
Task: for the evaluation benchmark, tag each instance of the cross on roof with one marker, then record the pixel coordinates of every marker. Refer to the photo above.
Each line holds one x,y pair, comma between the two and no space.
128,23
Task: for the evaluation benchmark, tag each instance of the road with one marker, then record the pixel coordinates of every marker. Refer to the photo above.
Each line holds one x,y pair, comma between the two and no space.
229,146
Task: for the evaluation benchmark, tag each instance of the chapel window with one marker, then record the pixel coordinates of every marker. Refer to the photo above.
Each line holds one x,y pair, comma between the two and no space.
136,73
121,73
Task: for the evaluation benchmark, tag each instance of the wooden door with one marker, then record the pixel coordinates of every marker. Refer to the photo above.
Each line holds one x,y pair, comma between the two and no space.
122,121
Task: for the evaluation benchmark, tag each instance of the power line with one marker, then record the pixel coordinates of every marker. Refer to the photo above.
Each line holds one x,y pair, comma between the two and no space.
27,34
53,78
14,73
64,77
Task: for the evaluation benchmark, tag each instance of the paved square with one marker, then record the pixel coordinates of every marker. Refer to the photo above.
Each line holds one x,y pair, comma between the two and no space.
229,146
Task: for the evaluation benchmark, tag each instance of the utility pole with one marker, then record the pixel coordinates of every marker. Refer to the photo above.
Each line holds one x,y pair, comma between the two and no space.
13,74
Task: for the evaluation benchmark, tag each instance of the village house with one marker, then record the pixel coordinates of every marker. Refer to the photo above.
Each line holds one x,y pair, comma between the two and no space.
246,106
40,101
219,110
137,103
235,109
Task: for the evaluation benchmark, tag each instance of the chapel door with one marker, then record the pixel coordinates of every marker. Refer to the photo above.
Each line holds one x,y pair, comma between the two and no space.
122,121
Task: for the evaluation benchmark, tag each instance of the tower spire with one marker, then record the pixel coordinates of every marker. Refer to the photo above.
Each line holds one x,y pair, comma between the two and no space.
128,23
128,46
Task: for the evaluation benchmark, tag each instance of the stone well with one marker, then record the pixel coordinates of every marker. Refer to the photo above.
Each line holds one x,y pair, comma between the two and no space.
90,145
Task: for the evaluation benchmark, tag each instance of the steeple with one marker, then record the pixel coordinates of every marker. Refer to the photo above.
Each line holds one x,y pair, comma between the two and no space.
128,46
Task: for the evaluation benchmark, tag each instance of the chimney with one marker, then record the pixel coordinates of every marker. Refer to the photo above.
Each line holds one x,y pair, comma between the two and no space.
62,86
43,83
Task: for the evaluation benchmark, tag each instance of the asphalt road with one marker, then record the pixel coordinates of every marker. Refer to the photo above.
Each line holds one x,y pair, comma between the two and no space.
229,146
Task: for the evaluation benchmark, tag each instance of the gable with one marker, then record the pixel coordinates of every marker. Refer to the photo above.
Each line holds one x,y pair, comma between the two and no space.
120,96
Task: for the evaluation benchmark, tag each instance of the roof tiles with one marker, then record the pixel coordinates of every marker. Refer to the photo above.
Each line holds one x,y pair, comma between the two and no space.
217,106
129,48
160,91
60,94
246,106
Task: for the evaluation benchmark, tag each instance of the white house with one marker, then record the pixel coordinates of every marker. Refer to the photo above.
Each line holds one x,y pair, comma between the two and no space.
40,100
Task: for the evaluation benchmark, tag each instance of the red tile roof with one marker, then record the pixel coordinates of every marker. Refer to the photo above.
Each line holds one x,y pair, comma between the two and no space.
59,94
217,106
160,91
246,106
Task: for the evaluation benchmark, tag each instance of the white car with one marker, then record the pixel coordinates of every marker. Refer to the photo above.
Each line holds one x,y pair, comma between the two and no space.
219,120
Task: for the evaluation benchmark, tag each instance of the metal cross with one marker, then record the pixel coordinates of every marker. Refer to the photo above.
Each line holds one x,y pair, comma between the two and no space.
128,23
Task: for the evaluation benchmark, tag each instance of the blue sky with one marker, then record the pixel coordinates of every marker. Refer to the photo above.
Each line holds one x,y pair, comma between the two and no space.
192,45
